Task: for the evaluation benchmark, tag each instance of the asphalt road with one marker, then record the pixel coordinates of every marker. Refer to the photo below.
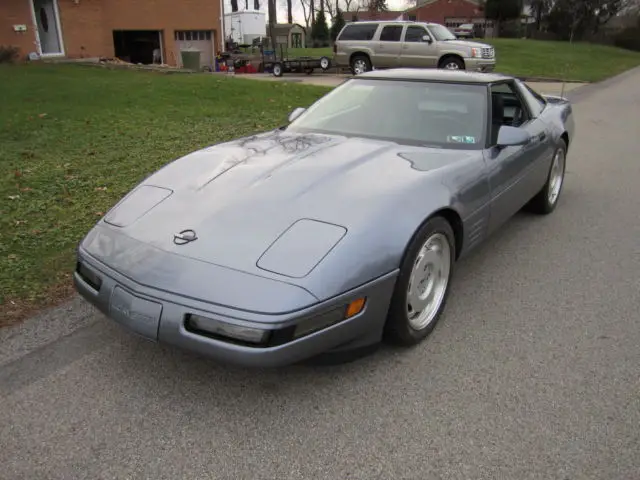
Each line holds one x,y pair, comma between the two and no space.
534,372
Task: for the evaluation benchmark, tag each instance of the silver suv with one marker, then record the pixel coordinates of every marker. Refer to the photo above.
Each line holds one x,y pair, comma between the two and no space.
388,44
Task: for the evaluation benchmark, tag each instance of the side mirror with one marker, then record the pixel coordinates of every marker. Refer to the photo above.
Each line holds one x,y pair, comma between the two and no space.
296,113
512,136
426,38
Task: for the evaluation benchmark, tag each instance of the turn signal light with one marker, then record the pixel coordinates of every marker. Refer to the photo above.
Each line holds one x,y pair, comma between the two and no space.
355,307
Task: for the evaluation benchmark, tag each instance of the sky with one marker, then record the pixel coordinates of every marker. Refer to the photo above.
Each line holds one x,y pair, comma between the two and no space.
298,15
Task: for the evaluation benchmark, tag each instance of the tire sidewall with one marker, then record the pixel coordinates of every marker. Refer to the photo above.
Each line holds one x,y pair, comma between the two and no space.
550,207
446,60
397,328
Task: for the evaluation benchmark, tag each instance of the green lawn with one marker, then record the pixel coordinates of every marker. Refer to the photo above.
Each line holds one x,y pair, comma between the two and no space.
74,139
579,61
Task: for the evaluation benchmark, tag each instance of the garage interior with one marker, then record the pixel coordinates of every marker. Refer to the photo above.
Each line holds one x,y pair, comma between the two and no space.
138,46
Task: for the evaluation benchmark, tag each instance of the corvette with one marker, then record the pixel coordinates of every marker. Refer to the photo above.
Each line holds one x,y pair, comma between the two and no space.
334,232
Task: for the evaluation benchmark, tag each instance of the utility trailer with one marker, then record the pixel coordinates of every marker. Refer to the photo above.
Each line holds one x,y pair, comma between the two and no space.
297,65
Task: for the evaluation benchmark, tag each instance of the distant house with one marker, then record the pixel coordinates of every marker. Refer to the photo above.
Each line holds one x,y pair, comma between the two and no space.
139,31
290,35
451,13
368,15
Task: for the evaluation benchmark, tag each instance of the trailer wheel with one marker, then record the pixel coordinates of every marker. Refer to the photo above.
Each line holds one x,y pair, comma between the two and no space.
325,63
277,69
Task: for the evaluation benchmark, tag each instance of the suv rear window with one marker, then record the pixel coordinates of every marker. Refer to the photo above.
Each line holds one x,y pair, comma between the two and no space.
363,31
391,33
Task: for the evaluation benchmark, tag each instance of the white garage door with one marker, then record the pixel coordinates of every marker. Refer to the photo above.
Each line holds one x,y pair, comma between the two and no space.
196,39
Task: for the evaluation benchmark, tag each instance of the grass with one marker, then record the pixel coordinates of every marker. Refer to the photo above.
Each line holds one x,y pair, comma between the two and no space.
75,139
578,61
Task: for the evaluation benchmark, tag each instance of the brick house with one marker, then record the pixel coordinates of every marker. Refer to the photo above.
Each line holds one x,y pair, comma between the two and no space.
140,31
450,13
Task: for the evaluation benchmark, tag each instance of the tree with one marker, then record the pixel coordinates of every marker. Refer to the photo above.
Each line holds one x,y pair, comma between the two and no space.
571,19
336,26
320,30
271,7
289,11
502,10
375,5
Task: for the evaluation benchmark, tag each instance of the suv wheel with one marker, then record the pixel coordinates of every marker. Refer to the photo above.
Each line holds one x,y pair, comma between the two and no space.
451,63
360,64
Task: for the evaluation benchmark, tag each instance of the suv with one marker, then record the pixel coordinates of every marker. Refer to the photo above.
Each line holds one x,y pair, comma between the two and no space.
387,44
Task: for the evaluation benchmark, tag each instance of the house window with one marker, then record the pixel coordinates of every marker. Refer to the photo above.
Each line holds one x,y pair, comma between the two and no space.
412,18
192,35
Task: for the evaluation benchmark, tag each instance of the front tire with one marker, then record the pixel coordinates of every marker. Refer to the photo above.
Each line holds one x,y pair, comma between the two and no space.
451,63
422,287
546,199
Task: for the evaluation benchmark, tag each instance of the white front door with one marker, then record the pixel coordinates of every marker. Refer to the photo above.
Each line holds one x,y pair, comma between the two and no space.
46,18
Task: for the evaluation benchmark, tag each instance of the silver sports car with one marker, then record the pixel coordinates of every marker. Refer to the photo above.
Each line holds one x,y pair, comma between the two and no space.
335,231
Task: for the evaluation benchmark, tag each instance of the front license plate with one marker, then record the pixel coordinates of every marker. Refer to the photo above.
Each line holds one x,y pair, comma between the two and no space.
140,315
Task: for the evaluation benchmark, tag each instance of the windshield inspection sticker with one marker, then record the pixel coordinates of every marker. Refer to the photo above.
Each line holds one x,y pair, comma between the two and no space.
461,139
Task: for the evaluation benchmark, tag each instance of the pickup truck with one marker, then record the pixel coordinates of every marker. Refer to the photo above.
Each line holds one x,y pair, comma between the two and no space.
363,46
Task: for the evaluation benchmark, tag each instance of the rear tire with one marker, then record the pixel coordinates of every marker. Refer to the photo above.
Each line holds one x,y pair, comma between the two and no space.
422,287
546,199
360,64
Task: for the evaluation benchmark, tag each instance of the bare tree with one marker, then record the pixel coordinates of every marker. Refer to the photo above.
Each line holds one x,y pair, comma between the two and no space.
306,11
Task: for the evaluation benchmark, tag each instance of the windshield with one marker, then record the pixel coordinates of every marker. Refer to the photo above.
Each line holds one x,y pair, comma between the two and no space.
444,115
441,33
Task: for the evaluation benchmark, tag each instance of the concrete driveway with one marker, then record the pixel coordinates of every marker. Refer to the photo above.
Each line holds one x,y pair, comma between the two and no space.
534,372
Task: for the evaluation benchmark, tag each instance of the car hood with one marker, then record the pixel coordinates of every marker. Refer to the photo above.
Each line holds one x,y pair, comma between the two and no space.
238,198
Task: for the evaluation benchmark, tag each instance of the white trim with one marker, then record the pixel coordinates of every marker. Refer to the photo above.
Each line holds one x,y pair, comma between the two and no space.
35,27
160,35
59,26
56,14
222,37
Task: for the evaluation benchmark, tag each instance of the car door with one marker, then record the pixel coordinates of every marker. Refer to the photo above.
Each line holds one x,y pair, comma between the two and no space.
516,173
416,52
387,48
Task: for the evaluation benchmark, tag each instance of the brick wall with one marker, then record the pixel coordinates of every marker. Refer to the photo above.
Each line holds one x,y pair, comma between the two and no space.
87,25
17,12
439,10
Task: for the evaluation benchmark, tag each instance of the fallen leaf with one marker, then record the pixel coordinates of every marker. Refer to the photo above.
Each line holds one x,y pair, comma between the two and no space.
17,173
20,222
101,189
26,189
14,197
69,177
12,256
36,232
99,214
42,115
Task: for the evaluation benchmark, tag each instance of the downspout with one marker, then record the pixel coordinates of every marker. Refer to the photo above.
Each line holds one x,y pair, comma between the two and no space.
222,36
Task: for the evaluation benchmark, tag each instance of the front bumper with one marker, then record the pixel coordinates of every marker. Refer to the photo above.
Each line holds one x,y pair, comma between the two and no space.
480,65
163,317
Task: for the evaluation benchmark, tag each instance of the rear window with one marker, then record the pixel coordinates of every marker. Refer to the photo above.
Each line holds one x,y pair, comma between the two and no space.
362,31
391,33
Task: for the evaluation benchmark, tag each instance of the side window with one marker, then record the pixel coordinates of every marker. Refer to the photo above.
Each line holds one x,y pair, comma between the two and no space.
414,34
534,100
362,31
391,33
506,108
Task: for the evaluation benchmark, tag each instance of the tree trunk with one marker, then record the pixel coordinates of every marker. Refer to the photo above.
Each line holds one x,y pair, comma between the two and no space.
289,11
272,20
